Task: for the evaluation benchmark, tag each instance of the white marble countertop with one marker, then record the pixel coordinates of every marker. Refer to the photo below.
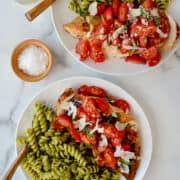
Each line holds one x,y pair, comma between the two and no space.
157,91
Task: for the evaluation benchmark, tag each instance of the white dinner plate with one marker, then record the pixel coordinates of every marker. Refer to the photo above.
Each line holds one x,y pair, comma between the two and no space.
61,15
50,95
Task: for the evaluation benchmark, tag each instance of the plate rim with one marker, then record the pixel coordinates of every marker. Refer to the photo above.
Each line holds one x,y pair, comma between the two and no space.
149,69
148,161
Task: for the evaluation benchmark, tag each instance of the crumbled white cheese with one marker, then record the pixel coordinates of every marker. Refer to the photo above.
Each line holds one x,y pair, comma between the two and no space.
112,52
161,34
82,123
102,37
120,126
90,30
115,114
118,31
135,12
132,18
104,141
124,168
102,31
93,8
122,177
144,21
154,12
71,109
126,155
132,48
96,128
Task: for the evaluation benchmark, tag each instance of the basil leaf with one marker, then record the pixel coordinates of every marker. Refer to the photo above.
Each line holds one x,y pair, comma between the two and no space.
157,21
88,145
128,163
108,98
90,134
145,14
128,125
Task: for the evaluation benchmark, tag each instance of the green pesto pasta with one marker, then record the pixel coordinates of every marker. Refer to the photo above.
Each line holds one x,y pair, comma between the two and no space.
54,154
81,7
163,4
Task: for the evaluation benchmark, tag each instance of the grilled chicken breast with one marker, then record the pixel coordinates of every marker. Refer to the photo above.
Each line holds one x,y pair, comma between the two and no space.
78,28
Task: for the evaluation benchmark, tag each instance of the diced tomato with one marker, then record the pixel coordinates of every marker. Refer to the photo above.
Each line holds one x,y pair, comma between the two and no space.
102,148
138,29
83,49
155,40
123,12
97,54
101,160
66,122
126,147
57,125
101,8
164,25
126,42
136,59
143,41
150,53
90,108
116,141
116,41
148,4
84,137
80,112
108,16
92,91
103,105
115,6
109,158
97,42
155,61
87,139
75,135
123,104
95,150
110,131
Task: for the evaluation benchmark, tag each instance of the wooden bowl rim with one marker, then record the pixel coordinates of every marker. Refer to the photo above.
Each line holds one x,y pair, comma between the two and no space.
17,51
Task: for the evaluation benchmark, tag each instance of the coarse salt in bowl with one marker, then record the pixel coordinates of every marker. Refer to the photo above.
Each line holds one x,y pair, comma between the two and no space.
32,60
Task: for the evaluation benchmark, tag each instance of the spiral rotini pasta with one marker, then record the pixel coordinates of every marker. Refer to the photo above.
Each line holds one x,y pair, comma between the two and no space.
54,155
163,4
81,7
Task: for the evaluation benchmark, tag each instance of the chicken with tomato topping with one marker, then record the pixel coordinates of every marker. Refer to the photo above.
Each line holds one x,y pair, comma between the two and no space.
130,31
96,118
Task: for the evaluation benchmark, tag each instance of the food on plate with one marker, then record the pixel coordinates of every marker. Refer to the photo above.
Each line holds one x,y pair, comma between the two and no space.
92,135
136,31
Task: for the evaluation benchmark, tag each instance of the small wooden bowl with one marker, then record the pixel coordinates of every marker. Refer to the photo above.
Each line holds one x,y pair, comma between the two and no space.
18,50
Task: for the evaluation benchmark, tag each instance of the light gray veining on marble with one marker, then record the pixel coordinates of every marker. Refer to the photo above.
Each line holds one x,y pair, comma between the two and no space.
157,91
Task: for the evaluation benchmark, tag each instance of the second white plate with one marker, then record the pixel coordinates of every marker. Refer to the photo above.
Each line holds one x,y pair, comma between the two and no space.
62,15
50,95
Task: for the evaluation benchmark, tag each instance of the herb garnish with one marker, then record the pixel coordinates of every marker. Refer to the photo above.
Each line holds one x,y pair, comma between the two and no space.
134,45
108,98
128,125
128,163
88,145
111,119
145,14
157,21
